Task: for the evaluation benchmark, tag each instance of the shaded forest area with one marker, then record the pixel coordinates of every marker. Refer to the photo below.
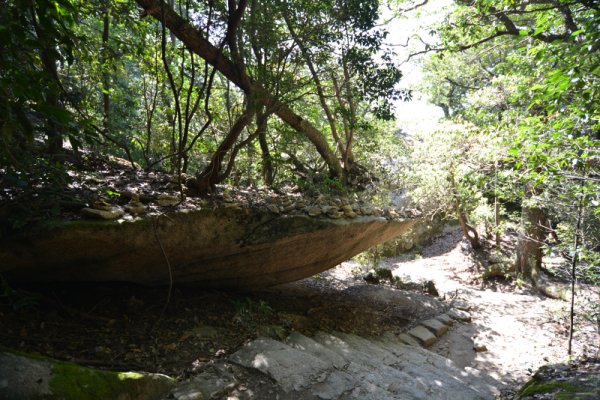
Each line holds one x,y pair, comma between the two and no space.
299,95
149,103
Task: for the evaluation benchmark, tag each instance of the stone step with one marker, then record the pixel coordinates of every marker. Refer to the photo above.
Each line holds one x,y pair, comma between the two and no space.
407,339
343,366
423,335
340,366
459,315
445,319
429,331
437,327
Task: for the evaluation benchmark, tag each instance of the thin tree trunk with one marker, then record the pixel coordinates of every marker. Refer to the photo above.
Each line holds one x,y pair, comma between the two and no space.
105,67
574,267
267,162
496,208
469,232
529,247
196,42
497,221
211,175
318,85
54,128
348,157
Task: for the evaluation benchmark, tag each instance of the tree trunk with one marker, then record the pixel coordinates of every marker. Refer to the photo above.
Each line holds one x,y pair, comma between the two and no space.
54,128
347,123
497,222
105,67
348,157
531,240
195,41
318,86
267,162
469,232
207,179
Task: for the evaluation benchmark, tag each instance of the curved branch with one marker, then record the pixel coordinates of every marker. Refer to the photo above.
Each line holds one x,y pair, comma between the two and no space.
196,42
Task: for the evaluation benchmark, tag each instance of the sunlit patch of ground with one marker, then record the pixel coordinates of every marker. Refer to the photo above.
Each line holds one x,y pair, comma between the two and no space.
520,328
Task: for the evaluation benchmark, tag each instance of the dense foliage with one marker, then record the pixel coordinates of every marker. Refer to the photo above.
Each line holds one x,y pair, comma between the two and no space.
521,81
293,91
197,93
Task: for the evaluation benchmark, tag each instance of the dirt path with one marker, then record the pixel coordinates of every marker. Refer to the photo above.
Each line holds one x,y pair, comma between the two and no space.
122,327
517,330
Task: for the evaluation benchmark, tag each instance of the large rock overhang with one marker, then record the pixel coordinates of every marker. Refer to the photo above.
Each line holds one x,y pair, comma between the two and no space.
227,248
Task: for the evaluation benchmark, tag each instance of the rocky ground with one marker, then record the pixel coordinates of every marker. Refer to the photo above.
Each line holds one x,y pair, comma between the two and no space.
514,329
330,336
111,189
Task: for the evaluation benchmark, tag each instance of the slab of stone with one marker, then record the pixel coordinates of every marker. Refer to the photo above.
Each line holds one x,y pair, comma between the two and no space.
291,368
445,318
336,384
423,335
459,315
214,382
113,213
409,340
373,350
437,327
381,368
373,368
303,343
210,247
409,303
165,200
452,382
25,377
461,305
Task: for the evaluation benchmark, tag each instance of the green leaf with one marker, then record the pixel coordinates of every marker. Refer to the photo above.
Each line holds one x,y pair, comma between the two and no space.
57,113
538,31
577,33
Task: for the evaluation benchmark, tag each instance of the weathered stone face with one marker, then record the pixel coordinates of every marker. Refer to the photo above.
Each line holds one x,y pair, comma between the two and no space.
226,247
36,378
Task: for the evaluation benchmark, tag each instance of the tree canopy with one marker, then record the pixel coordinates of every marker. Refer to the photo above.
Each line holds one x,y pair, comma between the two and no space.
288,91
125,79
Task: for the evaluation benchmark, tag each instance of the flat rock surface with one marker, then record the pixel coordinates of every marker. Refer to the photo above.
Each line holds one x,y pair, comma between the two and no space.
346,366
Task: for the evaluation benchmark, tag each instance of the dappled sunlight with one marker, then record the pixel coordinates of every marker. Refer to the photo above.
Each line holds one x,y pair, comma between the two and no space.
260,362
511,332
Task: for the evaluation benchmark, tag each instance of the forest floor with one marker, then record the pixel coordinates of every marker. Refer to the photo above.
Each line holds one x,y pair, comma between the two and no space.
181,331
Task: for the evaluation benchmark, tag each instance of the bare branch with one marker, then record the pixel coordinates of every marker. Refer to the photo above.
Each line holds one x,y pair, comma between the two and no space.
414,7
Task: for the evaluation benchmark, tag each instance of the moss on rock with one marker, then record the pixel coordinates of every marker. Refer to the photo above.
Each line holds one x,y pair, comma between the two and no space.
66,381
560,389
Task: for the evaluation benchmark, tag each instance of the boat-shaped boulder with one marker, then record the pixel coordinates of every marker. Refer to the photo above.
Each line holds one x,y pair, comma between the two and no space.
222,247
